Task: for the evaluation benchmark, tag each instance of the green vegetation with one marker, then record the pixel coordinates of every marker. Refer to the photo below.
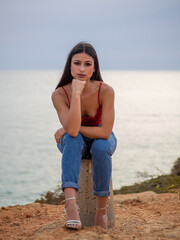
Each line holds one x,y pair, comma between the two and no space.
159,184
54,197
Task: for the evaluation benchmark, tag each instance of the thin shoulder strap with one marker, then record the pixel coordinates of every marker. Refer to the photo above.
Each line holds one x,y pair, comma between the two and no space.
66,95
99,92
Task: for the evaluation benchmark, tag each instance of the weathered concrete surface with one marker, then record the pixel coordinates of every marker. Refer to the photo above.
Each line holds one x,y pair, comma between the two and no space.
86,199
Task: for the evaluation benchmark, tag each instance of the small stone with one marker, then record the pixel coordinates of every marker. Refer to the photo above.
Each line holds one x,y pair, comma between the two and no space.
4,208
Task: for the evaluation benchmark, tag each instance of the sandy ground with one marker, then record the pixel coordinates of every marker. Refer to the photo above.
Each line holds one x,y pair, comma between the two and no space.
138,216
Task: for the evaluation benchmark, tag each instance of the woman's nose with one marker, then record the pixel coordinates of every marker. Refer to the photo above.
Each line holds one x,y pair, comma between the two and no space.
82,67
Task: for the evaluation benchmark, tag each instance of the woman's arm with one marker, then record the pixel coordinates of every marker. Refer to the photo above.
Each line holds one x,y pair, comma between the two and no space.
107,119
69,118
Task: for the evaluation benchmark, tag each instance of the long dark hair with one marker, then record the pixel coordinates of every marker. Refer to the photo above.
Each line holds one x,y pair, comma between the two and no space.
81,47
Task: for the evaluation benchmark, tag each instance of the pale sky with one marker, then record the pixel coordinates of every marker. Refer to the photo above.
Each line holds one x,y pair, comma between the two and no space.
127,34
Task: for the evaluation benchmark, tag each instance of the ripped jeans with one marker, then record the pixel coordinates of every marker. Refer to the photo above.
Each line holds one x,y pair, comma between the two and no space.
73,149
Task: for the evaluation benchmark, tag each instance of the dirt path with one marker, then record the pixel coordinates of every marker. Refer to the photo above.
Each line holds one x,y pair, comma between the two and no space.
138,216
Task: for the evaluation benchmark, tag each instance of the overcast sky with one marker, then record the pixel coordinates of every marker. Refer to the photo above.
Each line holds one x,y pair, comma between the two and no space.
127,34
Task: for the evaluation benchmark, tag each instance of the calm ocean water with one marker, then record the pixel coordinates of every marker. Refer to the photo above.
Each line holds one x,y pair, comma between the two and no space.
147,126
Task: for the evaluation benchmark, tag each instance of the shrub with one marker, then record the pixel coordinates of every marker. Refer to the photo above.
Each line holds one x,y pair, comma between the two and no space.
176,168
54,197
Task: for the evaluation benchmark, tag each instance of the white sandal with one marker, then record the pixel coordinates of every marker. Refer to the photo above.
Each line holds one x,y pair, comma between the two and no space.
73,224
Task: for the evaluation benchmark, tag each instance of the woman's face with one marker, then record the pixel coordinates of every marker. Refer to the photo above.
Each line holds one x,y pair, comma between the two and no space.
82,66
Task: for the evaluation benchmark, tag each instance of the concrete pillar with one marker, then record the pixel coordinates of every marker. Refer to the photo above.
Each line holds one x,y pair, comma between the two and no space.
86,199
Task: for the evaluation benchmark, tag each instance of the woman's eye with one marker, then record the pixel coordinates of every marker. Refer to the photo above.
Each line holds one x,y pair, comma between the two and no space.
88,64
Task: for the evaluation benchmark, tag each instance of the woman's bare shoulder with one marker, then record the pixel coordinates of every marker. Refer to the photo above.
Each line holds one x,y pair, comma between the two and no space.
57,93
105,88
106,93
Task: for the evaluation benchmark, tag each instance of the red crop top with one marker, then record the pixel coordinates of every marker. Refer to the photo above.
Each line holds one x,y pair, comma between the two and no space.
87,120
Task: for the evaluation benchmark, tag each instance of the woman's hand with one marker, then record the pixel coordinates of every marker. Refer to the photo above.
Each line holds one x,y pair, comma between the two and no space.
59,134
77,86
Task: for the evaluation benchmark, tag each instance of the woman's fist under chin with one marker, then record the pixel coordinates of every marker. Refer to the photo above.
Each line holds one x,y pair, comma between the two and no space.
77,86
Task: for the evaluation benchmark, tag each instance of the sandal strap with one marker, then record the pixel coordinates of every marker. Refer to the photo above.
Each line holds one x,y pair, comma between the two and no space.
101,208
73,222
70,198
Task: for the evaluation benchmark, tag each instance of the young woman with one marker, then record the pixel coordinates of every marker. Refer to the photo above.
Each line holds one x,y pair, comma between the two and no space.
85,107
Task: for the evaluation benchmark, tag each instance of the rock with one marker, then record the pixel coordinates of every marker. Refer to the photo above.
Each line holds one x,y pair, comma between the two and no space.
4,208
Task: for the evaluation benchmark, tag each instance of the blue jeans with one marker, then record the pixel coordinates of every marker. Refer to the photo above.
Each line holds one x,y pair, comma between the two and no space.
73,149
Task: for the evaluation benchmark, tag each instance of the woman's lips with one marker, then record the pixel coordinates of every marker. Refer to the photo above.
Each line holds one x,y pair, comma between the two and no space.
81,75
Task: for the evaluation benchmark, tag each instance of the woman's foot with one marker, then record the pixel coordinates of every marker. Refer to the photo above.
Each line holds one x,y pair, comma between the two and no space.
72,214
101,218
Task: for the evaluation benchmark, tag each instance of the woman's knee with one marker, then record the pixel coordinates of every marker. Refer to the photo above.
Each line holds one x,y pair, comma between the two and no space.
100,146
68,138
69,141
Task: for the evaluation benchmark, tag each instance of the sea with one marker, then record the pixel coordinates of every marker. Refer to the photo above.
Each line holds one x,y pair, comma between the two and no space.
147,126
